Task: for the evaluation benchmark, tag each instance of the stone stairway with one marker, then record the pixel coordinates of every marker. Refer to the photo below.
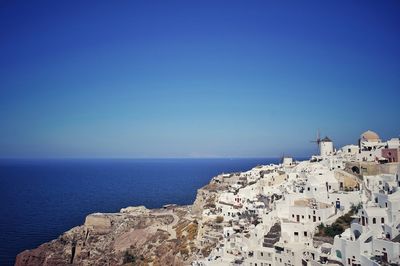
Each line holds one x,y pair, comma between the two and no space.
273,236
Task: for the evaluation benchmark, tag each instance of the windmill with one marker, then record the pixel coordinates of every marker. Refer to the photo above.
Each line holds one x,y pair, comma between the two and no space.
286,160
318,140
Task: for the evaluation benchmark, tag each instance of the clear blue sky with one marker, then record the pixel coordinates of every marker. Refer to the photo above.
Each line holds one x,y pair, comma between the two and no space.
195,78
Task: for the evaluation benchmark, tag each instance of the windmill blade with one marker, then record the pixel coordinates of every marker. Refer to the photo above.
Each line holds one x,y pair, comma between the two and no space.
318,140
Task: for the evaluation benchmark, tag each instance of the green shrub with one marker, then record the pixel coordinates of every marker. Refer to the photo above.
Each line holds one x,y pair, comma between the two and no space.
321,227
333,230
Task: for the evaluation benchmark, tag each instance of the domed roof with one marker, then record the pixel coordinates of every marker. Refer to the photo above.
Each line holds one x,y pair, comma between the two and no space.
369,136
326,139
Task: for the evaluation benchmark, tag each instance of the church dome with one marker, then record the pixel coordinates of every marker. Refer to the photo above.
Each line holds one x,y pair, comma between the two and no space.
369,136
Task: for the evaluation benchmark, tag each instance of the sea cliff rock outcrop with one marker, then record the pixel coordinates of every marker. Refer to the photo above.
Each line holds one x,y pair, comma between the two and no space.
135,235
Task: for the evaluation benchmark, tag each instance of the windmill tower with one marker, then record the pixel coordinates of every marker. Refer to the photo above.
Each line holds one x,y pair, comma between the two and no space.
286,160
325,145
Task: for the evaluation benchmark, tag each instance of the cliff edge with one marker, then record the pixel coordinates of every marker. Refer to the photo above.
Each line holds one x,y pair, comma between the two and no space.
172,235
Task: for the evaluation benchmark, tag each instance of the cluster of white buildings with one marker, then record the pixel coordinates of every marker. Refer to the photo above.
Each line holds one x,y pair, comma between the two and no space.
374,236
270,215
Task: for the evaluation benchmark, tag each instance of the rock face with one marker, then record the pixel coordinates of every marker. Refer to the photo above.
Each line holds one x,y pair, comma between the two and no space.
174,235
160,237
98,222
207,195
199,202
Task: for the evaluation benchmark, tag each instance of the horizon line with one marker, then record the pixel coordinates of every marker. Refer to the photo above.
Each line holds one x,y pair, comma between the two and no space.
147,158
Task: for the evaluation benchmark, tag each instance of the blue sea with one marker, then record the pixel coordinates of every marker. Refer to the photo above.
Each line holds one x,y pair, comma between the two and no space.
40,199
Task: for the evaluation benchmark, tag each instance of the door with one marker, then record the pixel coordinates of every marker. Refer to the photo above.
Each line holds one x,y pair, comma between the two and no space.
384,257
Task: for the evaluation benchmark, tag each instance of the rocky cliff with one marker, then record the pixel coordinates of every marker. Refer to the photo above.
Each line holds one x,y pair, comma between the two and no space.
173,235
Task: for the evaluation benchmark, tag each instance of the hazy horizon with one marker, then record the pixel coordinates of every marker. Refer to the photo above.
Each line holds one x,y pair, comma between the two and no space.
142,158
187,79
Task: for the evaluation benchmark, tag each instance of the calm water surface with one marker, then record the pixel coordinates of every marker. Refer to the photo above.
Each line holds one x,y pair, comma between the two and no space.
40,199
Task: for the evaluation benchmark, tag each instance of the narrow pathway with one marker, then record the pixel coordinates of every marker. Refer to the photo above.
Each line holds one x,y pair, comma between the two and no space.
170,227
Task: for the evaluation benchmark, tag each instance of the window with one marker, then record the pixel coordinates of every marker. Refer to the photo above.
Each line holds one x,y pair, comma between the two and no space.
374,220
302,217
262,254
319,218
305,233
357,234
296,233
382,220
